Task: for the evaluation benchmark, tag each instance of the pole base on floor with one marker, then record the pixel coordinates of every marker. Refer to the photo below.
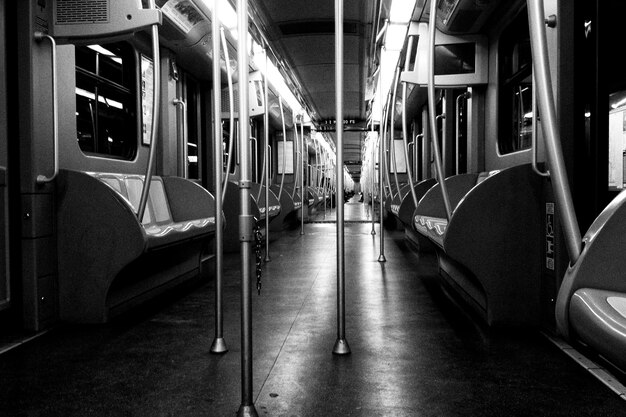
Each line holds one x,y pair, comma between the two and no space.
219,345
341,347
382,258
267,259
247,411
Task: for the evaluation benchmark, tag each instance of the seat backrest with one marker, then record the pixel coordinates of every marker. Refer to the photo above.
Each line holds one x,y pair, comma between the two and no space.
129,187
485,174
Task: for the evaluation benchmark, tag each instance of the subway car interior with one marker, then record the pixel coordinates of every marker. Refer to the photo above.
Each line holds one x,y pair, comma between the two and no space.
305,208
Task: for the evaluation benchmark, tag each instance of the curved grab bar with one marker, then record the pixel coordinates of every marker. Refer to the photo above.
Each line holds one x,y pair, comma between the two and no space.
40,36
266,132
392,140
298,153
534,134
231,105
302,190
184,166
385,150
282,117
420,136
404,124
560,184
457,123
156,98
431,109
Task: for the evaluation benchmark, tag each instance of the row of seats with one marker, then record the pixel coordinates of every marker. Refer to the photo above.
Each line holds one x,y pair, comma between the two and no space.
490,251
110,261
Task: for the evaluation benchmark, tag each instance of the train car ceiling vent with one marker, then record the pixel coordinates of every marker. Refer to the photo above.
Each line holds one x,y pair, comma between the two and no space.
73,20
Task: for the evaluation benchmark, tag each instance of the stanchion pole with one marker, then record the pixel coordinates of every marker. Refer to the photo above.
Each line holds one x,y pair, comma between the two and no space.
246,235
341,345
218,345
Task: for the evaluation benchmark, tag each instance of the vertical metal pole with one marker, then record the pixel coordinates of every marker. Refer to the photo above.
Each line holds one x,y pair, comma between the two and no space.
218,345
266,132
441,177
156,102
326,187
381,167
560,183
245,218
341,345
302,165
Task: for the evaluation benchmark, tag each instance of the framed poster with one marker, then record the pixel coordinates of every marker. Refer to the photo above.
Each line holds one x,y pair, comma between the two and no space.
147,96
286,149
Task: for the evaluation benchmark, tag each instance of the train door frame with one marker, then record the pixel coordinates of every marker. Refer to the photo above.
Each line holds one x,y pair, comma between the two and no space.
5,274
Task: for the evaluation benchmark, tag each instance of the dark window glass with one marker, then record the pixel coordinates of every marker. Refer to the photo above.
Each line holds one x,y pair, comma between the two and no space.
457,58
106,100
515,103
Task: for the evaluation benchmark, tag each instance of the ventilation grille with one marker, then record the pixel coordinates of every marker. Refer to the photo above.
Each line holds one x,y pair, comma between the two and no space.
226,104
69,12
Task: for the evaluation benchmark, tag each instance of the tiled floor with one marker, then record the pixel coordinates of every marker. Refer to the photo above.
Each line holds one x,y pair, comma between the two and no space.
414,352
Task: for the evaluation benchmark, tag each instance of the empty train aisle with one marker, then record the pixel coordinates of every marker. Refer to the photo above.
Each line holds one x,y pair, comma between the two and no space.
413,352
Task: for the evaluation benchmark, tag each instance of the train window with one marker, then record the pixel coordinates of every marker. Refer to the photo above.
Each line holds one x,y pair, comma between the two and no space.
456,58
106,116
515,101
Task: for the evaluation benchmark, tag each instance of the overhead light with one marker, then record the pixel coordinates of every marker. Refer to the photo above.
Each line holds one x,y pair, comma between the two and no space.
394,37
277,81
401,11
227,15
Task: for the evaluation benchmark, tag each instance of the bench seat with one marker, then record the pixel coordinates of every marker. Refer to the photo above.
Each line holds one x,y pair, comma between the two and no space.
488,251
109,261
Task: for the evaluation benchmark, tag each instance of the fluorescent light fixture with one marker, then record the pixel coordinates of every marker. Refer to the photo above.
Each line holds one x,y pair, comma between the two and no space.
277,81
401,11
394,38
227,16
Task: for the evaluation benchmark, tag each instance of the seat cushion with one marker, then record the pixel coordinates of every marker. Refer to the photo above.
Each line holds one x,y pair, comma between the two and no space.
165,234
432,227
599,319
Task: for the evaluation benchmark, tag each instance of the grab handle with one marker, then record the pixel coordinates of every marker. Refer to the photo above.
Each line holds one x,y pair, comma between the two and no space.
40,36
534,134
184,166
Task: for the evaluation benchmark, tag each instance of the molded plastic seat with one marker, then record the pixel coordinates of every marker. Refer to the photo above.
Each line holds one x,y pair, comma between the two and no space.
591,303
599,318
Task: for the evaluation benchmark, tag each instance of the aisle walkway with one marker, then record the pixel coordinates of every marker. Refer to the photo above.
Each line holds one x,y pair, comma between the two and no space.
413,351
353,211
